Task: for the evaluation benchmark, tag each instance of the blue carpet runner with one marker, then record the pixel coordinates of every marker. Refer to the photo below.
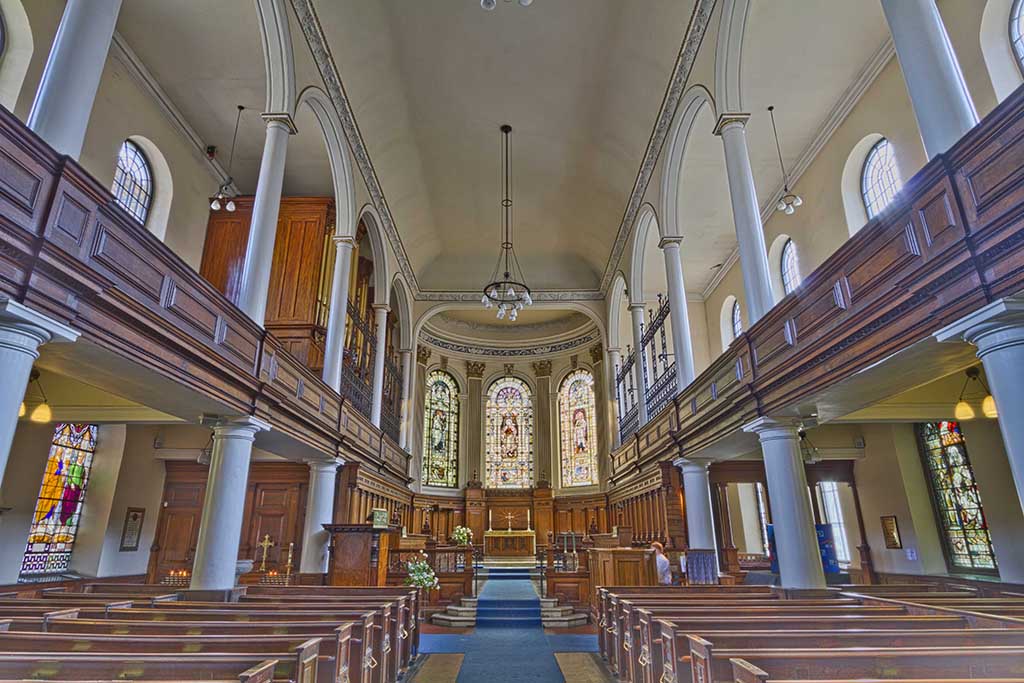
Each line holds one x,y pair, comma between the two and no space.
509,645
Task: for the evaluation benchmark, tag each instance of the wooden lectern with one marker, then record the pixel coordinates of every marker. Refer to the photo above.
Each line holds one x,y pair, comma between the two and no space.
359,554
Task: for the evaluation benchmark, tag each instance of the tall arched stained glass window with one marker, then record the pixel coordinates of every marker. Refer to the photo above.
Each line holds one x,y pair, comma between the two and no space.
1017,32
737,320
955,496
578,429
51,537
880,179
133,181
441,431
790,267
509,438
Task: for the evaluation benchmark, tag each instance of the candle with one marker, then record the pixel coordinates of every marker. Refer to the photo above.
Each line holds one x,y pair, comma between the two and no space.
527,519
489,512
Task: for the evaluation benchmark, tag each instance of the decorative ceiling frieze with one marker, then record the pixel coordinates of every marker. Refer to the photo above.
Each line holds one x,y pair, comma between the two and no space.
501,352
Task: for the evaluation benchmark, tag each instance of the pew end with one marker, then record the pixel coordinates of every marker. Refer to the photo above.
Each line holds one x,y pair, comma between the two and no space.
261,673
745,672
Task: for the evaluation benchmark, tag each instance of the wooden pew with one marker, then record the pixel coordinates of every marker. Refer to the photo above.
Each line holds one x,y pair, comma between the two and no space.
744,672
709,664
88,666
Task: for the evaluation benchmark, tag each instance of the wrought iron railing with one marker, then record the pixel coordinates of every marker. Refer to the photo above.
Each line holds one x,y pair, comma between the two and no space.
660,382
391,407
660,394
626,397
357,362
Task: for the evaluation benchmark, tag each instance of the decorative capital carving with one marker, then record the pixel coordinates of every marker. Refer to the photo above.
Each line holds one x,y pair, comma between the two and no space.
344,241
729,119
474,482
475,370
574,361
422,355
283,118
596,353
509,368
670,240
542,368
444,362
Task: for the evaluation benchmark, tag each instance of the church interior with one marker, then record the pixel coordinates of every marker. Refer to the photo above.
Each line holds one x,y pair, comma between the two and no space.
511,340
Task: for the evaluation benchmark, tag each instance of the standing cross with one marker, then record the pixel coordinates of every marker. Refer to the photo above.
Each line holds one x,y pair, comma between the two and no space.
266,544
508,516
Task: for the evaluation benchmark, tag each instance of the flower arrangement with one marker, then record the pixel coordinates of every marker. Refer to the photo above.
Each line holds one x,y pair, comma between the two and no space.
421,574
462,535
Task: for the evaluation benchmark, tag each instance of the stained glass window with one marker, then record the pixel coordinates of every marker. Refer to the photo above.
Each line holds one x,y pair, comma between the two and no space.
576,419
880,179
441,431
133,181
955,496
509,438
1017,31
737,321
790,267
59,507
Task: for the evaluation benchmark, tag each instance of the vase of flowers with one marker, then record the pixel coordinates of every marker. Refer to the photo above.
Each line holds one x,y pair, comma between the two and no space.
462,535
421,574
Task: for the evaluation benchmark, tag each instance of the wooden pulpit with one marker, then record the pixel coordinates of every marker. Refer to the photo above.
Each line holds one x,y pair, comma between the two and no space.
359,554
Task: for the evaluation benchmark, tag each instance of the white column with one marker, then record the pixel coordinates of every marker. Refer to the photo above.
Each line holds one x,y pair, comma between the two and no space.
406,423
682,345
22,332
259,250
796,540
700,524
997,330
319,511
334,345
746,213
60,112
636,312
938,93
615,361
380,315
221,528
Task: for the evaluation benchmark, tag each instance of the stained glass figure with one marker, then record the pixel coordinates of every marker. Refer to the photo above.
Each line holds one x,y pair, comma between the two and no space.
509,437
578,429
441,431
955,496
55,522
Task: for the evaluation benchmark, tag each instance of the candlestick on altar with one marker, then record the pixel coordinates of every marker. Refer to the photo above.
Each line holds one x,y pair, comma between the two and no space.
528,520
288,565
490,527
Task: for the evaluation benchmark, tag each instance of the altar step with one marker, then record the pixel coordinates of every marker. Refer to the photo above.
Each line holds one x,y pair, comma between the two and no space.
527,562
504,613
509,573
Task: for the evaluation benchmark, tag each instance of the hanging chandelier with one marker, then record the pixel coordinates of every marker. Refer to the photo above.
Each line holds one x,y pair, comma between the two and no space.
789,201
489,5
224,196
508,292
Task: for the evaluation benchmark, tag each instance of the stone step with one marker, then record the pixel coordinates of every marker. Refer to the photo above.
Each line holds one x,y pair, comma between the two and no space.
469,602
568,621
458,611
548,602
554,612
452,621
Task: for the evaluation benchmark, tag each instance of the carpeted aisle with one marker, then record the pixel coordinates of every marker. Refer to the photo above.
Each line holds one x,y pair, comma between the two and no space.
509,644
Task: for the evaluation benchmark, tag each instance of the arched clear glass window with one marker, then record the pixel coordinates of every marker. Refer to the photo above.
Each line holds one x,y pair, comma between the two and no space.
737,320
577,426
880,180
509,438
1017,32
133,181
441,431
790,267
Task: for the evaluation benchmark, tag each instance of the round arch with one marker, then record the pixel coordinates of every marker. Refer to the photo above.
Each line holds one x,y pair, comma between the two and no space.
1004,70
725,321
17,52
775,266
381,291
337,155
617,294
278,56
400,290
646,218
163,185
693,102
729,55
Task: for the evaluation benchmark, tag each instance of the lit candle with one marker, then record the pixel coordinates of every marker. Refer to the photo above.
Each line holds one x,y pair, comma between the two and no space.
527,519
489,526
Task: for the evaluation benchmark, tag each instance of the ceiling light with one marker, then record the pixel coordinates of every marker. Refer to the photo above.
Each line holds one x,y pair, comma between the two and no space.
22,410
42,412
789,201
963,410
988,407
224,192
507,289
488,4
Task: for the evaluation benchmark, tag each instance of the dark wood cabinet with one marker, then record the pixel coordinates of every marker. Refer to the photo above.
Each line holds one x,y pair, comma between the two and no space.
300,275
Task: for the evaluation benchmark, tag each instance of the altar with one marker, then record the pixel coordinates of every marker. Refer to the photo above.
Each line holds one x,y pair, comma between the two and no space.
510,543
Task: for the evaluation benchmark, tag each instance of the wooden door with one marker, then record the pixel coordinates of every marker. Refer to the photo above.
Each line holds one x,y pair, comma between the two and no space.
227,234
275,513
178,528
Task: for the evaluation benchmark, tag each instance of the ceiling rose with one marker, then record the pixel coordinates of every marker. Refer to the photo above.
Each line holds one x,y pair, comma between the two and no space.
509,292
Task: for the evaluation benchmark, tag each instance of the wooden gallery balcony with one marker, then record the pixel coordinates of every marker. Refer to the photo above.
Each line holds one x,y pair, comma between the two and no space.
860,327
153,330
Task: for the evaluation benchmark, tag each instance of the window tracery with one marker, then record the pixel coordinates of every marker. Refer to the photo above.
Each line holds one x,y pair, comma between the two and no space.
509,437
133,181
578,429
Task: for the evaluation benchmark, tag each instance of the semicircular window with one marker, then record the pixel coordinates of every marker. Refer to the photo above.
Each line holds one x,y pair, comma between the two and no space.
880,180
133,181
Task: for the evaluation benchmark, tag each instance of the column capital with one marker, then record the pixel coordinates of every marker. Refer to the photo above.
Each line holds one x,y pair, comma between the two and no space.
381,307
730,119
475,370
998,325
245,426
344,241
670,241
541,368
639,307
25,319
324,466
596,353
422,355
693,465
281,118
774,428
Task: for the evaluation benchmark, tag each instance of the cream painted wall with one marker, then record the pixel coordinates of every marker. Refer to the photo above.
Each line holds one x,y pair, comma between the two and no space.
99,496
122,109
746,518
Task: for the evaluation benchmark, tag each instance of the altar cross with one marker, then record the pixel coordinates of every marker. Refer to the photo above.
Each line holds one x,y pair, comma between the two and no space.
266,544
508,516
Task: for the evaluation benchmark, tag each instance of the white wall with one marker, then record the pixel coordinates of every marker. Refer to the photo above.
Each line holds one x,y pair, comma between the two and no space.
20,490
99,495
